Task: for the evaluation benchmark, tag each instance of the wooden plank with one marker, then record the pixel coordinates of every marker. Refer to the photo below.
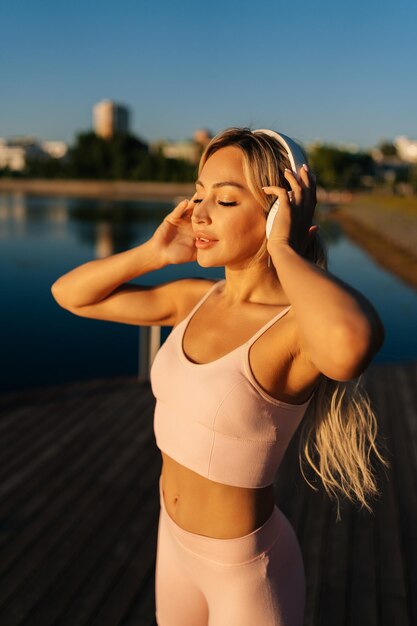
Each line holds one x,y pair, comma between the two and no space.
313,543
337,558
142,609
401,414
81,525
58,486
116,603
38,550
47,423
48,557
92,578
390,569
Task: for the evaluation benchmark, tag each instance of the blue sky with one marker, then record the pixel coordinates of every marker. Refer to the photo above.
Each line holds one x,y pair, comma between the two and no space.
326,70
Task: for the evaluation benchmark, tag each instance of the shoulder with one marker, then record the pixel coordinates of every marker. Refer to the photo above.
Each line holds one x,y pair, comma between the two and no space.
189,293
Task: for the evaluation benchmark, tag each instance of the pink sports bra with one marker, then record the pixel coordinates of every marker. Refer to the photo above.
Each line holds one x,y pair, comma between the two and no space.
214,418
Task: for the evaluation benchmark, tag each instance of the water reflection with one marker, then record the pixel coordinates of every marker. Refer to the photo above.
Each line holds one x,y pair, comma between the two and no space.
44,237
105,240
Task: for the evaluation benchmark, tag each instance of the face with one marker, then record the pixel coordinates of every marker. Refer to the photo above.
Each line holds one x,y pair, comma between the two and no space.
228,214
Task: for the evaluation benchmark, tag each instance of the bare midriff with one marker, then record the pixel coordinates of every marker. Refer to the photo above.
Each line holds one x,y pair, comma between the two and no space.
205,507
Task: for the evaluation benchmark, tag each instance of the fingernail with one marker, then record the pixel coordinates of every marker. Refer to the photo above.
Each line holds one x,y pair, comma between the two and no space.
305,166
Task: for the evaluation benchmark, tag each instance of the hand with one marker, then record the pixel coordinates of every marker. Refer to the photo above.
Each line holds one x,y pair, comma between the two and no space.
293,223
174,238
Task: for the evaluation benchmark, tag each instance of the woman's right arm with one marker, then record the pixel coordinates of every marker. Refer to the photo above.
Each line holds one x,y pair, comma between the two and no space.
98,289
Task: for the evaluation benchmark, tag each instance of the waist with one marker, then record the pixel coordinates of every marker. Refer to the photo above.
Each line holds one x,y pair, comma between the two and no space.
204,507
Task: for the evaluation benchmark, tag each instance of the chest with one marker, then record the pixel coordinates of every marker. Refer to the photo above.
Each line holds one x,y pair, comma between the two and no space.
271,359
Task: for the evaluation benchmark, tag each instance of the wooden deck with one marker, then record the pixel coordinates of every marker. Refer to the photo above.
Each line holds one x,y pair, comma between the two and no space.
80,503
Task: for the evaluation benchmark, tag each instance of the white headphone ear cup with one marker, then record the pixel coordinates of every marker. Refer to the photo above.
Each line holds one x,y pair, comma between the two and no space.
271,216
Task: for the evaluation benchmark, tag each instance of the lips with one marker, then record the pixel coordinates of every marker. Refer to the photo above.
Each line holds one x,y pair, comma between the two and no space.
200,236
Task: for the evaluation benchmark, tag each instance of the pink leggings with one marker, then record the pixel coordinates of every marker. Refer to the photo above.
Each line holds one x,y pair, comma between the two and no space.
205,581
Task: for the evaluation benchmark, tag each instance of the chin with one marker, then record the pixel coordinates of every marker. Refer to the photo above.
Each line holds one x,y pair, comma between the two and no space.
207,263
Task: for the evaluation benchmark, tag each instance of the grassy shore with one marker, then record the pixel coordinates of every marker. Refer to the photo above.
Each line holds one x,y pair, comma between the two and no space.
386,227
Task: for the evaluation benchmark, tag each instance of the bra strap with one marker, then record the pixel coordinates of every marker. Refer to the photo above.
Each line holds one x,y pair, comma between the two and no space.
265,327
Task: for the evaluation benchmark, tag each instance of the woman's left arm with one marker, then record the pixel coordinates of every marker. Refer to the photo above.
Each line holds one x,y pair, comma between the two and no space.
340,329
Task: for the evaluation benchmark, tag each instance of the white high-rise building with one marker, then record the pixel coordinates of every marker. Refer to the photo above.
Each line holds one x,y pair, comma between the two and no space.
109,118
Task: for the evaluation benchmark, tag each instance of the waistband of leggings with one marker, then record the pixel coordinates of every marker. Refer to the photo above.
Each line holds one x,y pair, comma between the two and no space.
234,550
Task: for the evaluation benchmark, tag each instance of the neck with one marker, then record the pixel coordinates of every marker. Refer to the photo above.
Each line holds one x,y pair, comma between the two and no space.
257,284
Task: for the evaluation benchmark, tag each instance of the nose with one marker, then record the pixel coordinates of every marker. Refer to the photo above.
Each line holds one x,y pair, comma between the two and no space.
201,213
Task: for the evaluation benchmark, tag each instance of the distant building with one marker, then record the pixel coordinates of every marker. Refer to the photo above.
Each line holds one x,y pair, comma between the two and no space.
188,149
406,149
55,149
202,136
185,150
15,152
110,118
13,157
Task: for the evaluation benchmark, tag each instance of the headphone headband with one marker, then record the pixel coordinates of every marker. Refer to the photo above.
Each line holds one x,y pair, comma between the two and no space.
296,158
295,154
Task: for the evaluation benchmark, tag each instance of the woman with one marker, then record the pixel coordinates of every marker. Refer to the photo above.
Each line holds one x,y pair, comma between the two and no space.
274,343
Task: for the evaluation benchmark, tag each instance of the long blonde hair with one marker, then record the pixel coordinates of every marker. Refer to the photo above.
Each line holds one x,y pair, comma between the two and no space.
339,430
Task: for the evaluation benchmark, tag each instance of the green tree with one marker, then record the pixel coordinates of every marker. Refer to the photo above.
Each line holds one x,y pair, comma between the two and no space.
114,158
387,148
336,168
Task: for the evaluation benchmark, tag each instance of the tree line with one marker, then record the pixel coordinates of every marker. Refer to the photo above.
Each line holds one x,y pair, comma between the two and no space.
125,157
121,157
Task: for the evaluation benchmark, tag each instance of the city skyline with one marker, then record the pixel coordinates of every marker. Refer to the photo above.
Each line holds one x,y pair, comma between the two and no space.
339,75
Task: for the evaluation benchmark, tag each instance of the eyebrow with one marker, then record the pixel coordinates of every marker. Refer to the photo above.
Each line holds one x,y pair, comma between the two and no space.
223,184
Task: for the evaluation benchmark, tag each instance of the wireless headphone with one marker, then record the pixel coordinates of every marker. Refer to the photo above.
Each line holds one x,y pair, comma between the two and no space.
296,158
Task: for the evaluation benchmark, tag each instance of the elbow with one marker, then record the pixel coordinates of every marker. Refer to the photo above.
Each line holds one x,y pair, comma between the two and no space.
54,291
57,295
355,351
348,354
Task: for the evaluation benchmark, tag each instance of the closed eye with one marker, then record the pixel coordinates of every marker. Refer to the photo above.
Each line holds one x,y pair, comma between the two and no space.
222,203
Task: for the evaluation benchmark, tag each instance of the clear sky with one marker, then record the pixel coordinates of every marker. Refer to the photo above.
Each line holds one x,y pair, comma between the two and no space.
327,70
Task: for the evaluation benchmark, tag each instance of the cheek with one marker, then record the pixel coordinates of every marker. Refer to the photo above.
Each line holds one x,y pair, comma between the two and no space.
253,228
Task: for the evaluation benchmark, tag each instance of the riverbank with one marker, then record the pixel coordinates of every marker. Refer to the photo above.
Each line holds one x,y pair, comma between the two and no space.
386,227
121,190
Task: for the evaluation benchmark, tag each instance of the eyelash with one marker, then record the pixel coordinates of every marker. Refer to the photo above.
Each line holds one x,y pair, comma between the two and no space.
222,203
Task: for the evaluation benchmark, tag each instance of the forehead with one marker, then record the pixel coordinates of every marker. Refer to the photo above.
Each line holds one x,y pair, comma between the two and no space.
224,164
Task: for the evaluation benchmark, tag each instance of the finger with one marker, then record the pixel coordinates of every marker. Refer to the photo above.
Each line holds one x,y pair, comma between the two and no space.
271,189
307,176
180,209
282,194
295,175
295,184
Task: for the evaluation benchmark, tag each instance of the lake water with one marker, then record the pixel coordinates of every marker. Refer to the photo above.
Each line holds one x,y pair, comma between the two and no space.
41,238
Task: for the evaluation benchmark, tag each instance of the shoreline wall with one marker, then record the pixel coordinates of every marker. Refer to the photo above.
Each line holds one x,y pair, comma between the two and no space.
389,254
99,188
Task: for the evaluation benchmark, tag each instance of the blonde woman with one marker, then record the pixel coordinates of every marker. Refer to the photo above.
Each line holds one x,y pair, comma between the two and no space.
278,341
